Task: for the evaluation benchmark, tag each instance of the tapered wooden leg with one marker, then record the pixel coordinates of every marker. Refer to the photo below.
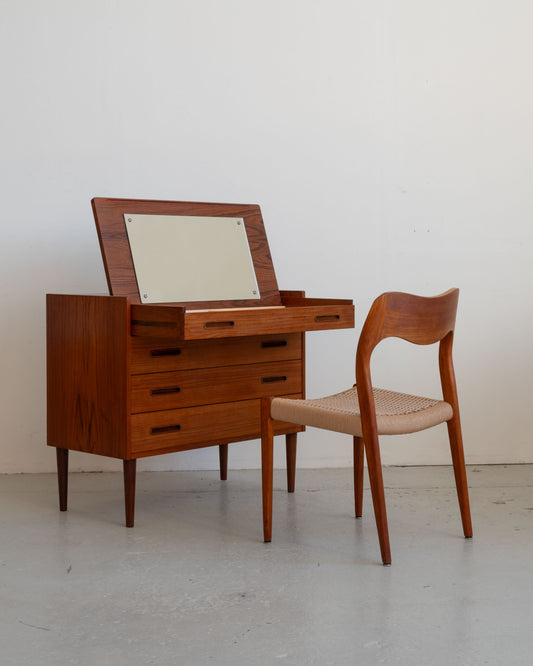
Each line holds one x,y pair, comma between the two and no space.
459,469
62,477
223,458
449,392
375,473
267,466
358,465
290,445
130,468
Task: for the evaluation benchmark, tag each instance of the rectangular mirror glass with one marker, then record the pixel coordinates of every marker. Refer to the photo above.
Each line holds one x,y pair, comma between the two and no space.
180,258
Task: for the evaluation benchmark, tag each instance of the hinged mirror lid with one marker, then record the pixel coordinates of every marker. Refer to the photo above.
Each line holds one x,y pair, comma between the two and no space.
140,264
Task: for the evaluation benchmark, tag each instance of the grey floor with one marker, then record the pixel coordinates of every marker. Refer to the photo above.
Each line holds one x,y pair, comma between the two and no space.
194,584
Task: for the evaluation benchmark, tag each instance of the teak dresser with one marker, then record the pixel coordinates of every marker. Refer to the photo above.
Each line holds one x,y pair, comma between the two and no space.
128,379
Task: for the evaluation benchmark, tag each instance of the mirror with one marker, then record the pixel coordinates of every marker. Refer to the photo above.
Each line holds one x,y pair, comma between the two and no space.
179,258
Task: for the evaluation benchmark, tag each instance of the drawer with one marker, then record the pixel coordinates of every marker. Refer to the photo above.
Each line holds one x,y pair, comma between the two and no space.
159,356
173,321
193,427
186,388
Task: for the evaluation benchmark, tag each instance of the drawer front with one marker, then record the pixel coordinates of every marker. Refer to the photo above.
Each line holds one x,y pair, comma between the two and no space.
156,356
208,425
309,315
187,388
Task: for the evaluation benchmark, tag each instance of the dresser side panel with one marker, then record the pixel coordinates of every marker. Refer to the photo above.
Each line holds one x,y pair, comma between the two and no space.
88,399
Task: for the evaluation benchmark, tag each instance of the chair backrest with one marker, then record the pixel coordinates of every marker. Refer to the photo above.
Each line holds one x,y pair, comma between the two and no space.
418,319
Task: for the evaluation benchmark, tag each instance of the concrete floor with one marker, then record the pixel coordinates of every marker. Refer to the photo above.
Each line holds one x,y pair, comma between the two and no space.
193,583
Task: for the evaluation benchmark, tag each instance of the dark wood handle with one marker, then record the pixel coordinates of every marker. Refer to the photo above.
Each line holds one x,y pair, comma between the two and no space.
321,318
174,351
165,391
163,430
219,324
267,344
270,380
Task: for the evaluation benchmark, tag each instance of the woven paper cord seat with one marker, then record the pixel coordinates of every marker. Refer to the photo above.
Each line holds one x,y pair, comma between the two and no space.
396,413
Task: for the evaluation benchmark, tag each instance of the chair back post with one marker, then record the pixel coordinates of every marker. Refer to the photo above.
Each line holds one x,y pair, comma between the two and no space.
447,373
369,338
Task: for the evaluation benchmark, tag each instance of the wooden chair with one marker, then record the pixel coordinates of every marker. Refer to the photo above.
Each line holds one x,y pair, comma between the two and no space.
366,412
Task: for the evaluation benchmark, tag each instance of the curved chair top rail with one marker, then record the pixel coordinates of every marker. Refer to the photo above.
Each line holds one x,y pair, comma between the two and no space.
421,320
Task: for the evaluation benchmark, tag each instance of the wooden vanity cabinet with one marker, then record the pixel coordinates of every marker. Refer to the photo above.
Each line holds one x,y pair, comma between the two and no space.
129,380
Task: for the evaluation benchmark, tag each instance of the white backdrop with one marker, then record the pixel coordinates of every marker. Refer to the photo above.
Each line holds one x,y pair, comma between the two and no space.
389,144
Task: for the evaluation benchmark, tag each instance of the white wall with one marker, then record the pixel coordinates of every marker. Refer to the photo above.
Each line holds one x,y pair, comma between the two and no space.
388,143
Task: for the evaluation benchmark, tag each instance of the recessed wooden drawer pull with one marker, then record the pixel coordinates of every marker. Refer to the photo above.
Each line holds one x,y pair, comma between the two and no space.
176,351
266,344
165,391
163,430
219,324
334,317
270,380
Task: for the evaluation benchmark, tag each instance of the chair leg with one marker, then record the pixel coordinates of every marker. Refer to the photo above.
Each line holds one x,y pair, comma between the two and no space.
375,473
130,467
267,466
290,445
459,470
62,477
223,459
358,465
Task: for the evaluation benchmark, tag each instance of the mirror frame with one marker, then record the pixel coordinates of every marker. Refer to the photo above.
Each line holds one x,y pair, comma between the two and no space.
118,261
